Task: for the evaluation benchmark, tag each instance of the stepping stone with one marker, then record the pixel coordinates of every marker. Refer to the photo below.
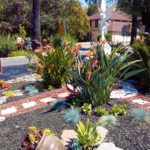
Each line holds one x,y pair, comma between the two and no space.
62,95
2,119
102,133
9,110
140,101
108,146
68,135
48,99
29,104
3,99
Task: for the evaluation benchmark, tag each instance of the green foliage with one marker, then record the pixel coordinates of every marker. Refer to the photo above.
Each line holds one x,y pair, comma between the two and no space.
95,83
22,32
75,102
100,111
119,110
92,9
8,93
87,134
20,53
54,66
142,52
7,45
87,109
108,120
72,115
140,115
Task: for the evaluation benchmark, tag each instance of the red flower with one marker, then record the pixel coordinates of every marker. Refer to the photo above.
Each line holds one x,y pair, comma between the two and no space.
4,85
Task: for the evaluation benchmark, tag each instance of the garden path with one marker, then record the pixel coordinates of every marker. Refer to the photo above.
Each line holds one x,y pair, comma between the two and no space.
44,99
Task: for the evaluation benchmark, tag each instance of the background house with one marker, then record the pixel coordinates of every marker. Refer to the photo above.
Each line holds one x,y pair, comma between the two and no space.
118,26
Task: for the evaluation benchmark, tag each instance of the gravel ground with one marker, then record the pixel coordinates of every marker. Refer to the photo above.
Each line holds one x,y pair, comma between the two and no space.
127,134
19,86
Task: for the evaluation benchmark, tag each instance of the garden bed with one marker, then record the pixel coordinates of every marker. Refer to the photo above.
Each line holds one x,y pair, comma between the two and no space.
128,135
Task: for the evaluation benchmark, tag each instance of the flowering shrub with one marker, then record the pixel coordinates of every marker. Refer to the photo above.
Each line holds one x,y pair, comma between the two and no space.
3,84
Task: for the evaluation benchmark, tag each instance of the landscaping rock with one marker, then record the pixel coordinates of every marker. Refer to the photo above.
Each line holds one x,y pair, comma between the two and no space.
108,146
102,133
51,143
68,135
2,119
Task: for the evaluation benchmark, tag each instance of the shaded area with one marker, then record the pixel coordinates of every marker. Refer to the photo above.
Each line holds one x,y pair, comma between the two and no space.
14,71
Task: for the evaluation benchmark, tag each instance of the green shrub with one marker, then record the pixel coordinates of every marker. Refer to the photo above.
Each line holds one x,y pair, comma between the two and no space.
119,110
20,53
142,52
7,45
100,111
53,67
87,135
95,83
87,109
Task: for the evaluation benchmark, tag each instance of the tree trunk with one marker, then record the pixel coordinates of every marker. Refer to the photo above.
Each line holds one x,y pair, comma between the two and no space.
134,29
36,26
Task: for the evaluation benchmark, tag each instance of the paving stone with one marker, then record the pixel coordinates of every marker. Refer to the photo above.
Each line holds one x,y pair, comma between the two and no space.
102,133
108,146
62,95
9,110
29,104
2,119
48,99
3,99
140,101
68,135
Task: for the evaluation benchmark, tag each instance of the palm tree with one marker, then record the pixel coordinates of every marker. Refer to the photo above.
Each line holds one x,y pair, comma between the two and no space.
36,26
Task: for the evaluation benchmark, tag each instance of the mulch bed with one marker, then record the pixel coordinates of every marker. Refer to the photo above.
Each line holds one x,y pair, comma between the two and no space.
128,135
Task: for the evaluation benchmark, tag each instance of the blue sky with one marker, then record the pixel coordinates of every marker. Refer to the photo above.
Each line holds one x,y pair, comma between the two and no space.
83,2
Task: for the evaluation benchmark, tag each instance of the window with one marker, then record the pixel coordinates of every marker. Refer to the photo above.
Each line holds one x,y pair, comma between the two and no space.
90,23
96,23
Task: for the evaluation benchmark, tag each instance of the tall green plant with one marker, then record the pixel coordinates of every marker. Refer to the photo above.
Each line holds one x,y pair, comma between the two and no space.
142,52
95,85
54,66
7,45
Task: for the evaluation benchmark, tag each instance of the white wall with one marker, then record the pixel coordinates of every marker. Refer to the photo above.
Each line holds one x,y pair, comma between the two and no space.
116,38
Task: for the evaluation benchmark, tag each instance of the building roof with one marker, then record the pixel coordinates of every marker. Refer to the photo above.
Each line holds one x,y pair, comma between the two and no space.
114,15
95,16
116,26
119,15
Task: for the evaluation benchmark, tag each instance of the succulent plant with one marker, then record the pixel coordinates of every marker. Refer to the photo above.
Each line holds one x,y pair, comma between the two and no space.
32,90
9,93
140,115
119,110
75,145
87,109
72,115
100,111
108,120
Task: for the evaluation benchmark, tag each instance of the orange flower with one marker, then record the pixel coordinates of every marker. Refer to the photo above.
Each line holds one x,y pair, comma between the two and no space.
95,63
90,54
88,74
79,46
104,41
4,85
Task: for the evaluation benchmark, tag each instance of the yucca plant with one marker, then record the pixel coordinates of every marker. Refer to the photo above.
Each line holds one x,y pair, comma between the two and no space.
142,52
95,83
54,66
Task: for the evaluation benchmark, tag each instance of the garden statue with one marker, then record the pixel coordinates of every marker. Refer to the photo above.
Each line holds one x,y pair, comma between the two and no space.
102,22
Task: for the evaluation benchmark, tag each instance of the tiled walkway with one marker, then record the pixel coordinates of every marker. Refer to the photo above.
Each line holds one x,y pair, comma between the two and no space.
42,100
